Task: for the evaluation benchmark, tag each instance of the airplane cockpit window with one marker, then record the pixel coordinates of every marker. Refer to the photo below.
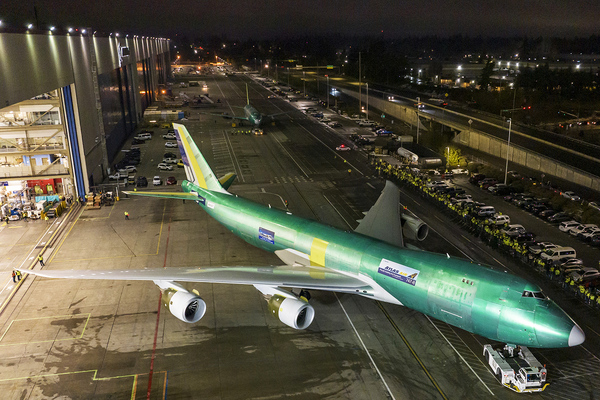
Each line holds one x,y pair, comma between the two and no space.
537,295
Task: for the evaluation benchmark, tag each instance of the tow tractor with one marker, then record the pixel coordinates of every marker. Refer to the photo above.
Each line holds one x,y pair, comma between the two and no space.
516,368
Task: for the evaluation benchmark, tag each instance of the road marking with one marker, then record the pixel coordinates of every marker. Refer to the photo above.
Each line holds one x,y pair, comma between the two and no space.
365,347
336,210
397,329
461,357
330,149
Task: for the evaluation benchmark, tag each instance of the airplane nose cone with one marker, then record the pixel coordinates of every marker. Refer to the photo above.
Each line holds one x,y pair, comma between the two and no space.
576,337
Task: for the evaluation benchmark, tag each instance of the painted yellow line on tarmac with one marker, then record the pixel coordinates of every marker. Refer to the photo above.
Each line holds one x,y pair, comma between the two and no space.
49,340
65,238
94,378
397,329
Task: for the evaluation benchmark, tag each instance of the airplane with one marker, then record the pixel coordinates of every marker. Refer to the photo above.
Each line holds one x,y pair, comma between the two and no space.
251,114
372,262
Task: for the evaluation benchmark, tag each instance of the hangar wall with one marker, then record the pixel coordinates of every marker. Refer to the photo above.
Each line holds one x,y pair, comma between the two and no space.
109,92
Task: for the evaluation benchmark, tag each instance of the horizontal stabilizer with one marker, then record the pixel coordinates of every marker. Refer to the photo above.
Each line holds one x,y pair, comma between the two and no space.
227,179
165,195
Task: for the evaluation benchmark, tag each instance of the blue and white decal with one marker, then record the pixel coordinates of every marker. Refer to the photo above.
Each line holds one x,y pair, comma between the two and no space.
266,235
398,271
201,200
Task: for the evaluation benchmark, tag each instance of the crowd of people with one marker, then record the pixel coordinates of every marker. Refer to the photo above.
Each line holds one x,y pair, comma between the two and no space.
489,233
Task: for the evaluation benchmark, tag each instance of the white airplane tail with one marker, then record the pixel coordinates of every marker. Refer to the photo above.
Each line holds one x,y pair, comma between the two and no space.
196,168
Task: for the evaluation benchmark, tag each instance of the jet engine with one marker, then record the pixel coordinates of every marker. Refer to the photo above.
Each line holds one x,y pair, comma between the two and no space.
184,305
293,312
413,228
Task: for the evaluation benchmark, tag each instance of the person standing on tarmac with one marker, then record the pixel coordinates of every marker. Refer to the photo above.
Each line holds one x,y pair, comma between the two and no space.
14,275
126,215
41,260
19,276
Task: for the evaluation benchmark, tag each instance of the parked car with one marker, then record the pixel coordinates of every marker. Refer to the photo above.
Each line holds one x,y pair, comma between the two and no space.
180,163
546,213
157,181
170,145
541,246
571,196
587,234
165,167
128,168
137,141
169,136
487,182
169,154
141,181
585,274
559,217
574,231
499,220
169,160
143,136
514,230
486,211
343,147
171,180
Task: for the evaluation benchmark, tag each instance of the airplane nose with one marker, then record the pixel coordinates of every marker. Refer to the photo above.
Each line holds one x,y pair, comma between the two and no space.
576,337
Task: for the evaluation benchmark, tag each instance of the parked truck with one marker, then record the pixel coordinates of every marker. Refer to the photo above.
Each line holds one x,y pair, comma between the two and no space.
516,368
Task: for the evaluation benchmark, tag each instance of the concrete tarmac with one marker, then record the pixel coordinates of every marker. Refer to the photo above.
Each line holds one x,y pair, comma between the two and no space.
112,340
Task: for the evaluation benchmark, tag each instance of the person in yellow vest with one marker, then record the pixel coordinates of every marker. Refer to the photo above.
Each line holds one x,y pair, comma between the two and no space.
41,260
126,215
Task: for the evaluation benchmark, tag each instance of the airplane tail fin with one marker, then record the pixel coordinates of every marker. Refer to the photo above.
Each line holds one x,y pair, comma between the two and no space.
196,168
247,96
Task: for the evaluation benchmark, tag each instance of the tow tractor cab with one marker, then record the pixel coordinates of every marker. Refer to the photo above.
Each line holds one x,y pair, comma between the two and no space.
516,368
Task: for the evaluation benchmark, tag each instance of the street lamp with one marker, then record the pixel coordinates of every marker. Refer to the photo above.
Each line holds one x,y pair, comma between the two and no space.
418,102
507,151
304,82
448,159
327,91
367,101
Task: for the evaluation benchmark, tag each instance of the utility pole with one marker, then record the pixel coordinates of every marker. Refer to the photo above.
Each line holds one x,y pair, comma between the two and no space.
327,91
359,86
367,101
418,102
507,151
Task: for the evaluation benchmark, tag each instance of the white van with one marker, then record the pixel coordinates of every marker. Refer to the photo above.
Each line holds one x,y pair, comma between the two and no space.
558,253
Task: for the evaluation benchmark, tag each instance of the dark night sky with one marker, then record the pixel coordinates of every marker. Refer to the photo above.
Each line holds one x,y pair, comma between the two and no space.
269,19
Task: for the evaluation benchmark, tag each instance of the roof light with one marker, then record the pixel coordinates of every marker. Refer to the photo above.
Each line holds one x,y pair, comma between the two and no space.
70,30
52,28
30,26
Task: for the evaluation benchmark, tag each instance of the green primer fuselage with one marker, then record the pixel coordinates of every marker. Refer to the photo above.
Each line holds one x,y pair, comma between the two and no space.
476,298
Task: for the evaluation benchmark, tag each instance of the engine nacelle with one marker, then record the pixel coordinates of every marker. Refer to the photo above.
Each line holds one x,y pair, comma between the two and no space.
184,305
413,228
293,312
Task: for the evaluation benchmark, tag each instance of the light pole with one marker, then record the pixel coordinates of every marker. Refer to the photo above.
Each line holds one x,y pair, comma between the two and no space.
448,159
304,82
418,102
367,101
507,151
327,91
288,68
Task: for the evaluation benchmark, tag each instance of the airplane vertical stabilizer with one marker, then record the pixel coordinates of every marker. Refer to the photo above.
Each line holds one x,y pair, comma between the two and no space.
196,168
247,96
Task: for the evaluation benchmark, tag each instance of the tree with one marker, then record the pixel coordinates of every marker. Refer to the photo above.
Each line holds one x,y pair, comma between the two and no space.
486,73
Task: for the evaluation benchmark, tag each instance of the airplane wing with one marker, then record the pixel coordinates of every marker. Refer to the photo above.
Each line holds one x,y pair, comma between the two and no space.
317,278
383,221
